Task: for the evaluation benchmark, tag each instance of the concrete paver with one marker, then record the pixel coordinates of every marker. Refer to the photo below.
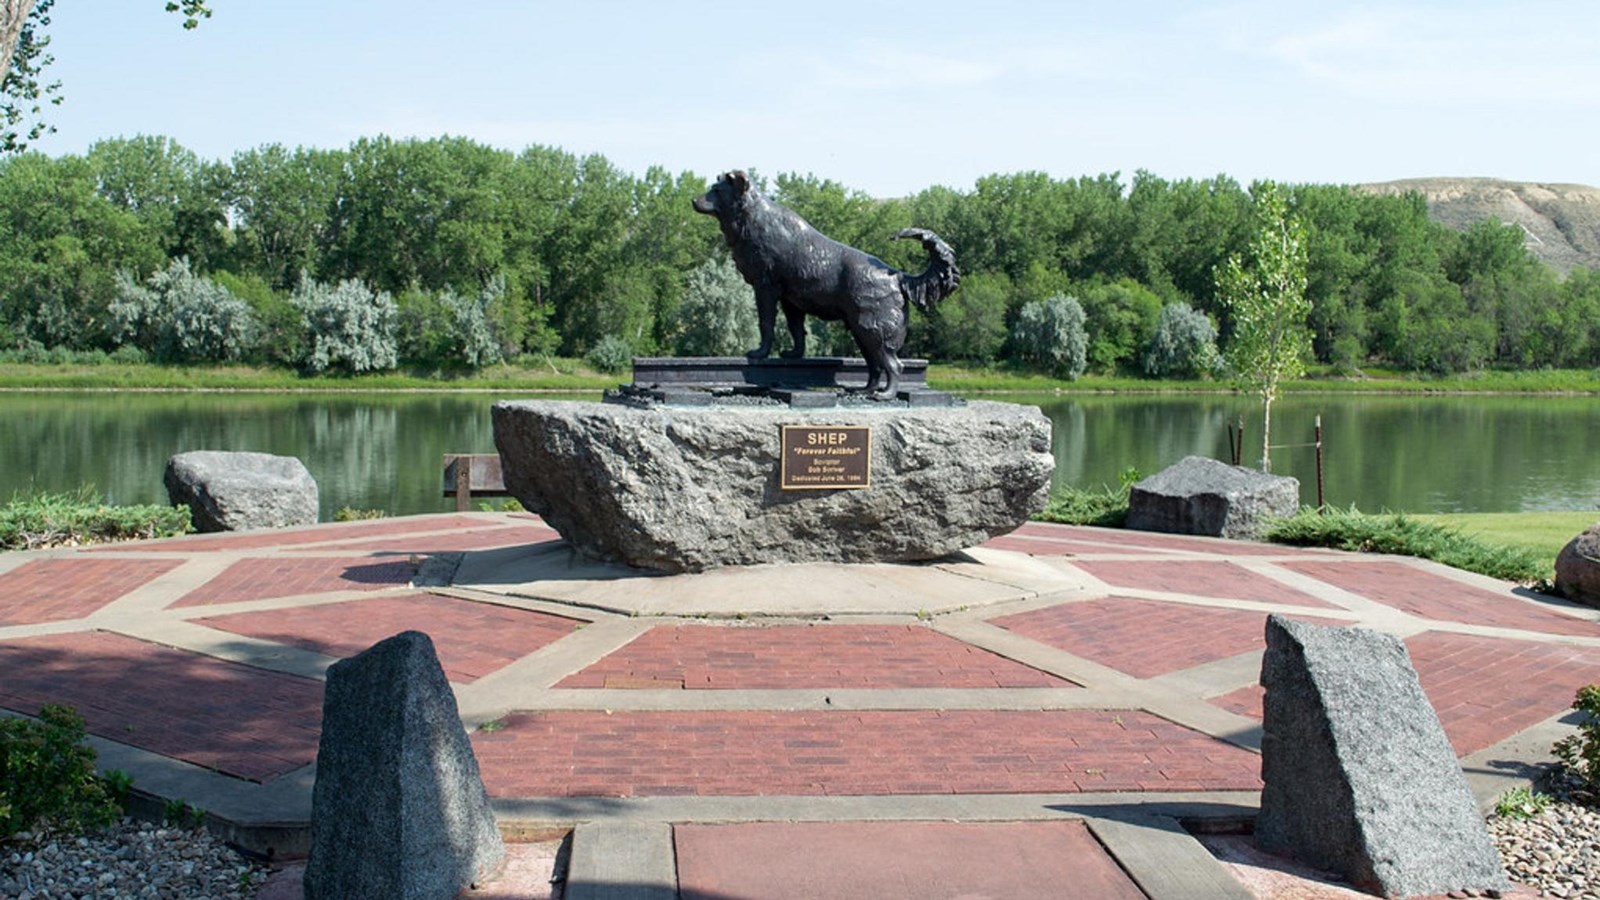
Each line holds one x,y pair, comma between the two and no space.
1061,687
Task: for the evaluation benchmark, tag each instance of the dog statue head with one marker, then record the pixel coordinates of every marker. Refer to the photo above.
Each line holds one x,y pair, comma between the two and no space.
724,194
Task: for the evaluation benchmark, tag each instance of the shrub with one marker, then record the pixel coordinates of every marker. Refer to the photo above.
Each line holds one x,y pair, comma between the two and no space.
718,314
1579,754
1184,345
611,355
177,316
279,339
448,329
1395,533
47,777
473,341
49,520
1106,507
348,326
1049,335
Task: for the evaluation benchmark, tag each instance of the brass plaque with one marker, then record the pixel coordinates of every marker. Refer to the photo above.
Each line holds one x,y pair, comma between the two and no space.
825,457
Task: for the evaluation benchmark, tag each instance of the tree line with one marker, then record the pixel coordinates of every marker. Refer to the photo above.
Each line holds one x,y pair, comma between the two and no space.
450,254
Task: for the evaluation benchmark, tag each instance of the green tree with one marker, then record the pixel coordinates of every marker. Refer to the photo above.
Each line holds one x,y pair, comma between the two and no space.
179,197
970,324
1264,289
1338,257
283,203
591,292
1120,317
665,243
61,244
718,317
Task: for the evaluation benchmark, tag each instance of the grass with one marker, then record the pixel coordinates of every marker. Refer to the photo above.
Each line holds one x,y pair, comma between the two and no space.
38,520
553,374
1541,533
1519,547
1324,380
1409,536
565,374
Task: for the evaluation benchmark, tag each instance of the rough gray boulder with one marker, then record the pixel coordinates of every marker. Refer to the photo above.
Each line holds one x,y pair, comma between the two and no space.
685,489
398,809
1578,567
230,491
1203,496
1358,775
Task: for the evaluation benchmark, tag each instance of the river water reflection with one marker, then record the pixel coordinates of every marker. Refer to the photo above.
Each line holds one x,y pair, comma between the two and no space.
372,451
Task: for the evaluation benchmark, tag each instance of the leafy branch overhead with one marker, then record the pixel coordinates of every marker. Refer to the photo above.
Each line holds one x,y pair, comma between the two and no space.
23,41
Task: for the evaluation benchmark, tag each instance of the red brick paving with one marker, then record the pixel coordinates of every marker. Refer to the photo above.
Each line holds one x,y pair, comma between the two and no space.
246,722
942,860
333,531
290,576
1043,546
1431,596
475,539
805,656
1487,689
1153,541
1143,638
1198,577
813,753
472,639
1246,701
1484,689
51,590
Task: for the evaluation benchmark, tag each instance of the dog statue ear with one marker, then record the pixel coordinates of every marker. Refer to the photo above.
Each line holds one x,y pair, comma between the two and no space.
739,179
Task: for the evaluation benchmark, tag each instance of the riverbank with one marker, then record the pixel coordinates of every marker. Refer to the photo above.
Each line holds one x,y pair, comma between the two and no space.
562,374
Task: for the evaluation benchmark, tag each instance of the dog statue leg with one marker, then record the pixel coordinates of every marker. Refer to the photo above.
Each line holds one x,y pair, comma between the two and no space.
796,319
891,389
767,319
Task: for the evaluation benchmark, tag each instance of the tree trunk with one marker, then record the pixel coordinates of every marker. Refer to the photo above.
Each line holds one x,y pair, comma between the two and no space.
13,14
1266,434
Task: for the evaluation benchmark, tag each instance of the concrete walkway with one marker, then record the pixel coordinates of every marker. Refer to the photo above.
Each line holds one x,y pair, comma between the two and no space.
1035,717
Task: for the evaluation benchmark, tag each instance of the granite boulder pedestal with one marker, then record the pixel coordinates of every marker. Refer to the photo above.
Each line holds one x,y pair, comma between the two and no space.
684,489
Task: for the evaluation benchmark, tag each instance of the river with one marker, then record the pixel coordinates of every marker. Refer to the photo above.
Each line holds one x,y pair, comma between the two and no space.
382,451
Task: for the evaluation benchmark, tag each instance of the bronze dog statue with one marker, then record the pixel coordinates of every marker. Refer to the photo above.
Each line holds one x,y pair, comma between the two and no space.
793,266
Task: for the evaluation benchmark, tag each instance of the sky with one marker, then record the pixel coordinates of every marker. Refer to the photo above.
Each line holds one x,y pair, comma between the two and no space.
885,98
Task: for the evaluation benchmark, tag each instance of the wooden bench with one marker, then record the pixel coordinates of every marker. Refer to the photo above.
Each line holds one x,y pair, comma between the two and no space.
469,474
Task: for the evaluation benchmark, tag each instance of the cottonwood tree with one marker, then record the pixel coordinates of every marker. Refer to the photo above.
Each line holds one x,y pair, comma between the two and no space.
22,45
1265,291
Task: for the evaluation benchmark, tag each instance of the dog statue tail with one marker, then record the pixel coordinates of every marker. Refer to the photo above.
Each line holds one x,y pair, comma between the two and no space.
939,280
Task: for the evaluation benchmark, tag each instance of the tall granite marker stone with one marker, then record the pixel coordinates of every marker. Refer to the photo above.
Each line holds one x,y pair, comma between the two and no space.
398,811
1358,775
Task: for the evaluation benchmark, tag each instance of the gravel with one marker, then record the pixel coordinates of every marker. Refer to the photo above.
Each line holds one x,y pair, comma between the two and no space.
130,859
1556,850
